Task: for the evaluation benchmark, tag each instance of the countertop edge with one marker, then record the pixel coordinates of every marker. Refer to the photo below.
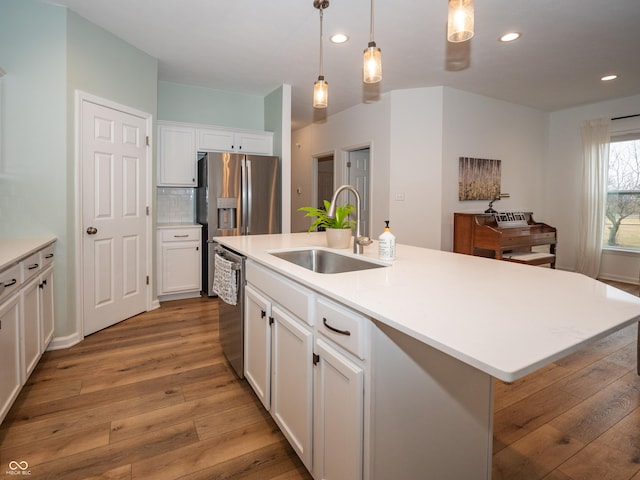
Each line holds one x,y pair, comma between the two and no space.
13,250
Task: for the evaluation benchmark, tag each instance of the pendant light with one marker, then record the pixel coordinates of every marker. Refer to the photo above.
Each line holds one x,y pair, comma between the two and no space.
372,58
460,20
320,87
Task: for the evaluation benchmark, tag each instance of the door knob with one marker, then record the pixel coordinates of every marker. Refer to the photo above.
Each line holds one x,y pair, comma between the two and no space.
92,230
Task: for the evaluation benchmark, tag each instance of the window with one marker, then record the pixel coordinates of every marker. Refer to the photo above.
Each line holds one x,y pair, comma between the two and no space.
622,214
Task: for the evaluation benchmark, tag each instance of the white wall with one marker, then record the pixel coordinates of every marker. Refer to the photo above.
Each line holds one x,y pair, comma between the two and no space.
362,125
562,173
482,127
416,166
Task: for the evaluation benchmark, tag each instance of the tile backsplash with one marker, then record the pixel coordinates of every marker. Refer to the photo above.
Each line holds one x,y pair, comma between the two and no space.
176,205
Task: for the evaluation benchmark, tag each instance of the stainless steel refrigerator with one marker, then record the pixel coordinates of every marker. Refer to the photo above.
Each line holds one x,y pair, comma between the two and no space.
236,195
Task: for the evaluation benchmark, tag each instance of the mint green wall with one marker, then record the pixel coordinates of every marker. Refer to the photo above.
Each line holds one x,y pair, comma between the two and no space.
273,118
48,53
101,64
191,104
34,181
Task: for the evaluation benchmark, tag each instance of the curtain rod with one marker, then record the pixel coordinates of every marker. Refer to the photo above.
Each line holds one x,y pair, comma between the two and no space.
628,116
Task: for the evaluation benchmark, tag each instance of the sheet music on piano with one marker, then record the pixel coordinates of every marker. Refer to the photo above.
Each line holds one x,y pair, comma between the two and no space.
511,219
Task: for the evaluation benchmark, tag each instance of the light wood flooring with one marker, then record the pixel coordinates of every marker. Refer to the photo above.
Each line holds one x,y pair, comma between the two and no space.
153,397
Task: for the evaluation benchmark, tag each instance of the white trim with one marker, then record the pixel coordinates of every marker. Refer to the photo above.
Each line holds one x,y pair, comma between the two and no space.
81,97
59,343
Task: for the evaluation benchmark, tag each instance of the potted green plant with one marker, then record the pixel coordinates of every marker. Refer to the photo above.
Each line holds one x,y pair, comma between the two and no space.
338,228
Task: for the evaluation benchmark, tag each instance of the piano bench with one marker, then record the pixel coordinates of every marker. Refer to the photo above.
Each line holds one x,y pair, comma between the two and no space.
531,258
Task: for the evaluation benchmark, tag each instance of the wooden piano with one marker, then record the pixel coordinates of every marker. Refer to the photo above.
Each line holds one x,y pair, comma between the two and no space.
502,237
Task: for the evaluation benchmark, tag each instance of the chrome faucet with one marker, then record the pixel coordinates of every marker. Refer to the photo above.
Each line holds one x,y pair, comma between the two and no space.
359,241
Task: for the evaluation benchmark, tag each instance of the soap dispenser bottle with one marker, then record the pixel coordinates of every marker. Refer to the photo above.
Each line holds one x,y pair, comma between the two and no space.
387,244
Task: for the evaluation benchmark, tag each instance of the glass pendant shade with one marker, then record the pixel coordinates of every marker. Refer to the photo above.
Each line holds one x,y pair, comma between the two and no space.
372,64
320,93
460,20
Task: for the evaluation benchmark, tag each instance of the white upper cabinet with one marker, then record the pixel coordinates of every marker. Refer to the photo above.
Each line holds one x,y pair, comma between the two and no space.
179,144
177,155
218,140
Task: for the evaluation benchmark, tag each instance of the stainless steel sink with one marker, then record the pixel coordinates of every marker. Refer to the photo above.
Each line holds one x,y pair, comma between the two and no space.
325,261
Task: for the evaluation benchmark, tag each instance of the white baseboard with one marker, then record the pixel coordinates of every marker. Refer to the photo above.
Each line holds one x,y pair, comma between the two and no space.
58,343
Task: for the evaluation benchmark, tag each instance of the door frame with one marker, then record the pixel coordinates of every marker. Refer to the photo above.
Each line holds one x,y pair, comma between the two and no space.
80,98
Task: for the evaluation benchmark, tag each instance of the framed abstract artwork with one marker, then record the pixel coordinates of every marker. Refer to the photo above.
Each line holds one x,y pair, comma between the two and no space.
478,178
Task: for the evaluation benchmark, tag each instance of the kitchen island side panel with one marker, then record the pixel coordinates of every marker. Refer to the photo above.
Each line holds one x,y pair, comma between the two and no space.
432,415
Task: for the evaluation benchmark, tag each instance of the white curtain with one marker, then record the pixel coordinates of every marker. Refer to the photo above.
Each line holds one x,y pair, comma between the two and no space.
595,165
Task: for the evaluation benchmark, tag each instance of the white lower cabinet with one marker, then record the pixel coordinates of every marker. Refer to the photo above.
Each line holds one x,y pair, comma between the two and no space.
257,344
279,367
311,379
26,320
31,343
339,415
46,308
179,262
292,382
10,375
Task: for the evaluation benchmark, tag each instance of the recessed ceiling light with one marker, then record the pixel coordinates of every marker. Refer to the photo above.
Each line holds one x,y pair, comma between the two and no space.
510,37
339,38
608,78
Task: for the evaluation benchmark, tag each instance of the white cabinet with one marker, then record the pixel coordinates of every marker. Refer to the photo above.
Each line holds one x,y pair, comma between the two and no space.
179,261
257,344
339,391
292,382
220,140
31,344
10,377
46,308
279,355
177,155
26,320
339,415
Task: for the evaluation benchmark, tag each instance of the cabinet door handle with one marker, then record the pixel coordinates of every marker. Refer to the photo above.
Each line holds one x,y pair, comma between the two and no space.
33,267
333,329
181,236
13,281
263,314
50,255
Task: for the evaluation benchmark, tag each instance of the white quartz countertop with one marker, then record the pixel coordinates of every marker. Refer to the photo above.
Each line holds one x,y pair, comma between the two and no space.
503,318
12,250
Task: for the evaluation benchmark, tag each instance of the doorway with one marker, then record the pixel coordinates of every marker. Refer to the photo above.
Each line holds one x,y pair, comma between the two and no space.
114,226
324,176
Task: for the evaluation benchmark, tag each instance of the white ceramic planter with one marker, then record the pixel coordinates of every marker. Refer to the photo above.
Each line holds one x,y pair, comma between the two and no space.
339,237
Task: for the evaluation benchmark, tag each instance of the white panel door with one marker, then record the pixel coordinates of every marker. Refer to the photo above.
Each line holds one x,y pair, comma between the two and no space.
358,168
339,416
257,344
292,382
113,215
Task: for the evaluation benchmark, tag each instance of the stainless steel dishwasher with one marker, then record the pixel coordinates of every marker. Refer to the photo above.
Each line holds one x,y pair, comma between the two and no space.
231,317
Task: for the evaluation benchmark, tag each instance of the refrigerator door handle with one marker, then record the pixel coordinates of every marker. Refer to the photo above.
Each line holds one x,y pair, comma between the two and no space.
243,197
247,197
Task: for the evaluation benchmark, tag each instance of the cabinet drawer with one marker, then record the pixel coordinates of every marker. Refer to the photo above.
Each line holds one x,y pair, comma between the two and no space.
179,234
9,280
47,256
31,266
294,298
343,326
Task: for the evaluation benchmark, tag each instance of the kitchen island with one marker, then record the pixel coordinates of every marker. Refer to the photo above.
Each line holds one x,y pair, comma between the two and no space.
440,327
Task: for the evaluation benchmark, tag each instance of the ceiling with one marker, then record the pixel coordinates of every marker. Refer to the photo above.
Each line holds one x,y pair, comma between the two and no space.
254,46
